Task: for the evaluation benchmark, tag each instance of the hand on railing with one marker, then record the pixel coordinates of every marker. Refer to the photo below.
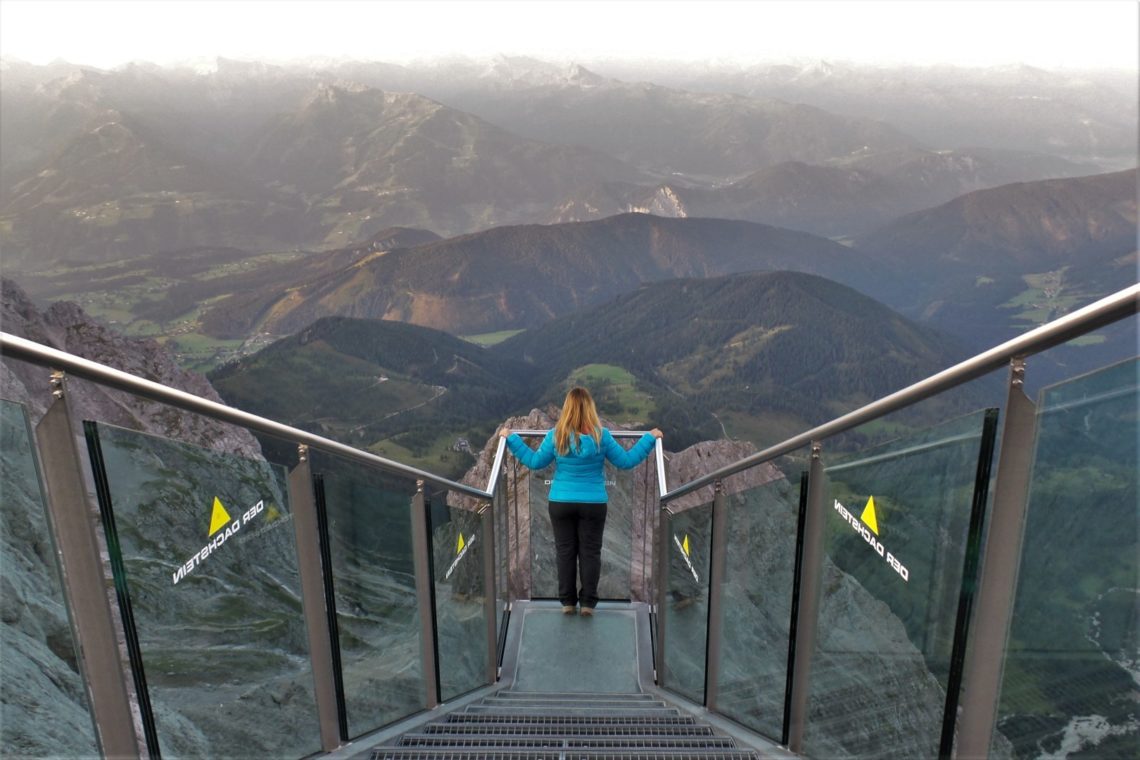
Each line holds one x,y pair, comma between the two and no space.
656,433
504,432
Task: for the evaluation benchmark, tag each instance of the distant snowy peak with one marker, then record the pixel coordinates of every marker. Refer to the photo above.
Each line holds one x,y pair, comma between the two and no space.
820,69
580,75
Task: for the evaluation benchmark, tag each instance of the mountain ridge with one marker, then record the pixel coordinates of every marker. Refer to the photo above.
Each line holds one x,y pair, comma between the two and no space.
519,276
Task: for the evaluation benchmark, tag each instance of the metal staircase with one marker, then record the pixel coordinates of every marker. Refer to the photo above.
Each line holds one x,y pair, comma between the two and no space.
607,706
562,726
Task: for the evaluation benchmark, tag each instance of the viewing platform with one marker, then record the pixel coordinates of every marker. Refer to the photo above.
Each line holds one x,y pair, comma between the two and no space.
866,588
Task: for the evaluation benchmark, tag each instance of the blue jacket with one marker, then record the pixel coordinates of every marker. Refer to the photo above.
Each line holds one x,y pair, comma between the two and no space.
579,476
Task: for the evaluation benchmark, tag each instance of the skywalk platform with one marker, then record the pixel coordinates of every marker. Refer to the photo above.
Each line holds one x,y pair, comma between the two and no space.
570,686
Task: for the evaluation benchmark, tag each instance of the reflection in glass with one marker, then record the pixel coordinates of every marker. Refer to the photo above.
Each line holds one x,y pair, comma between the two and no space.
457,559
1072,667
368,518
204,554
759,569
687,601
39,671
898,522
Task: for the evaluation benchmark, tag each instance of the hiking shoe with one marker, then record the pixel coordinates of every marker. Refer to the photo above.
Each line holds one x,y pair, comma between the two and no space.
568,609
587,612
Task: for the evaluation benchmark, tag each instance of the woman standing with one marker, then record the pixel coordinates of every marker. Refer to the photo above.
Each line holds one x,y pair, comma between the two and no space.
580,446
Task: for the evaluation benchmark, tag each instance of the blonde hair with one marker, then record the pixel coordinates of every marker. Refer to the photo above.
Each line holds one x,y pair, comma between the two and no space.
579,415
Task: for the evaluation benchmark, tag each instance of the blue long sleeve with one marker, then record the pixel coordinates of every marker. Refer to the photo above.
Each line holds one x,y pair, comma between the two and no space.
627,460
580,474
534,459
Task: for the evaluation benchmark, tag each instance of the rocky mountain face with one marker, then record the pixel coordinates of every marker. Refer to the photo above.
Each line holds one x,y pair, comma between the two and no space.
39,658
39,665
66,327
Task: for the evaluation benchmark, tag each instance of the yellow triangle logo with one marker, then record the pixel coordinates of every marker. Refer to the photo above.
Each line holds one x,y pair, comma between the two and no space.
868,516
219,518
685,545
459,546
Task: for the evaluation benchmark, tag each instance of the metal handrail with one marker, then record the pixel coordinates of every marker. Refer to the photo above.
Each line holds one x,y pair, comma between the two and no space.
1123,303
37,353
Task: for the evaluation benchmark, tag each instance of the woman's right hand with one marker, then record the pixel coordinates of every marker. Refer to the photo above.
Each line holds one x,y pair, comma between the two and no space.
656,433
504,432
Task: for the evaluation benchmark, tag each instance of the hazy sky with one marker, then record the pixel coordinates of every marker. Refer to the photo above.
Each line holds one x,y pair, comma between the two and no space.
1073,34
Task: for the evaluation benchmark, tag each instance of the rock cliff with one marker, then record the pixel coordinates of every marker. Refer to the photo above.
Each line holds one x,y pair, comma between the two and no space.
65,326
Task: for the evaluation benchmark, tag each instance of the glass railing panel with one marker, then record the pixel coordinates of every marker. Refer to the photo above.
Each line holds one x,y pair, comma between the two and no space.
762,506
688,541
1072,666
898,527
628,533
376,622
39,670
204,556
460,593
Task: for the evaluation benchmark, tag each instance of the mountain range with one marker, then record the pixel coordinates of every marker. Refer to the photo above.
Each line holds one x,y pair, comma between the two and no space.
993,263
519,277
106,165
753,355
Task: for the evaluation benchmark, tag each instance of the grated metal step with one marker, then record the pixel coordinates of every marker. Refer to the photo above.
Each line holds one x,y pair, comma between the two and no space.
557,710
425,753
569,741
532,729
572,720
583,695
576,704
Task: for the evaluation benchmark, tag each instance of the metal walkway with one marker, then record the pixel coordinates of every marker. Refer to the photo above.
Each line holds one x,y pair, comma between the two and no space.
570,687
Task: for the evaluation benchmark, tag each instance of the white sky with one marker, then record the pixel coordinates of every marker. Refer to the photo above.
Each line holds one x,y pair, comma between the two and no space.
1069,34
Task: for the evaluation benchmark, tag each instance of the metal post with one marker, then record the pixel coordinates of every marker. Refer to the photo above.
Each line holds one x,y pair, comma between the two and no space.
307,529
664,529
490,597
716,594
106,676
425,594
807,605
997,582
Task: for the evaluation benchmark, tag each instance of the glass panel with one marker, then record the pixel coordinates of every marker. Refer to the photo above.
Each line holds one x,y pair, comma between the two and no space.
368,514
630,491
759,582
897,528
457,559
688,542
204,554
39,670
1072,665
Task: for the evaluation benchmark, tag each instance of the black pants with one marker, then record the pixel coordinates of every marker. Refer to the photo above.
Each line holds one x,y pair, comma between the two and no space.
578,531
